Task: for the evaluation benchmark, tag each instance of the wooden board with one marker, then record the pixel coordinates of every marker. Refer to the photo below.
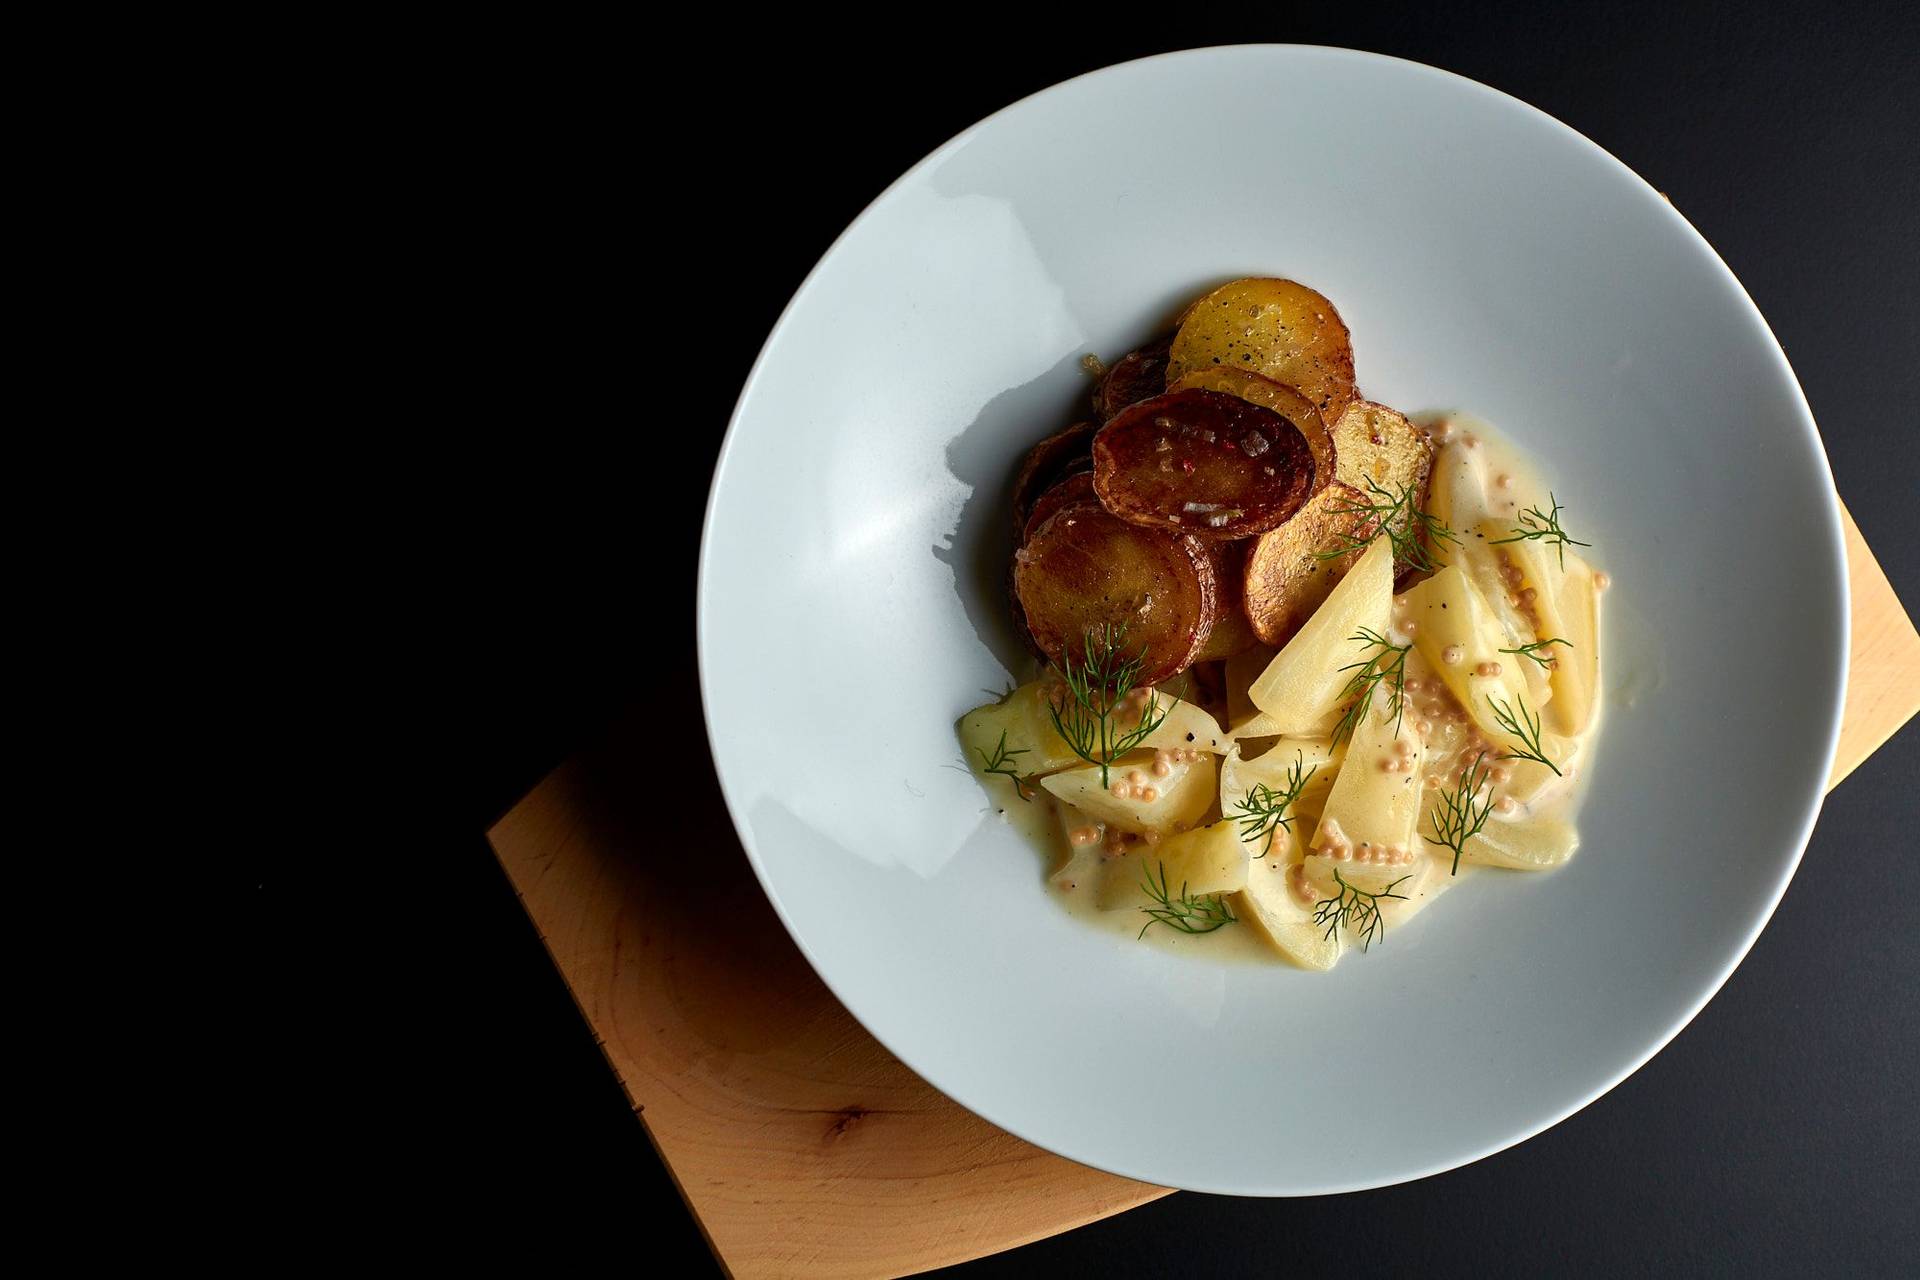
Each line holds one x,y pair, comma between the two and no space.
1883,678
803,1147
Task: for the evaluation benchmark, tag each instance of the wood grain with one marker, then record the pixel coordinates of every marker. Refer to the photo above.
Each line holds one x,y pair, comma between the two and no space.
803,1147
1883,678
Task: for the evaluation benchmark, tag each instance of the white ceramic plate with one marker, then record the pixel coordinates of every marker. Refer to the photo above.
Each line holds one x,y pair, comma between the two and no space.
1487,258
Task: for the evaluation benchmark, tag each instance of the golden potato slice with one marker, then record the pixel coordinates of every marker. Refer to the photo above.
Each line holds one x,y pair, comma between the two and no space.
1136,376
1043,467
1375,444
1283,400
1204,463
1278,328
1084,570
1286,578
1075,487
1232,634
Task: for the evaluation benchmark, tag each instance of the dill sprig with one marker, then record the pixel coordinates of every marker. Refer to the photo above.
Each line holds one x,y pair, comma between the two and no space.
1000,761
1356,910
1544,526
1459,814
1415,534
1096,688
1525,727
1263,811
1538,651
1387,665
1186,913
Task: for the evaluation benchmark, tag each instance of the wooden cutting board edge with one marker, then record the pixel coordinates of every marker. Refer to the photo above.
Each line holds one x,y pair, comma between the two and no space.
754,1116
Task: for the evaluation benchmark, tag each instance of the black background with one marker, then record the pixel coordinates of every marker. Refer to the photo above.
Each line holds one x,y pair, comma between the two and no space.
629,260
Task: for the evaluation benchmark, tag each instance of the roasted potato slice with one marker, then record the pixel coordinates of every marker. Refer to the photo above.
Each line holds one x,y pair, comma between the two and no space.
1375,444
1136,376
1232,634
1073,488
1286,578
1204,463
1019,612
1086,568
1278,328
1283,400
1045,464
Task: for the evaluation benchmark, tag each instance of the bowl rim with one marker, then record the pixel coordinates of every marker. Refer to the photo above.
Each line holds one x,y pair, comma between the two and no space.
1835,536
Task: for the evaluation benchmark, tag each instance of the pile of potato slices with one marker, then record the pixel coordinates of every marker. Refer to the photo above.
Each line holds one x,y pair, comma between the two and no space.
1204,509
1257,707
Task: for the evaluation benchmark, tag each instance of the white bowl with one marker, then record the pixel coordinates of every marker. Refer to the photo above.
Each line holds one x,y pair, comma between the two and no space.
1488,259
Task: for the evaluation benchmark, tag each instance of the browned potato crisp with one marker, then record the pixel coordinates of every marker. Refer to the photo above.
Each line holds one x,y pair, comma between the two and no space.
1206,510
1087,569
1045,463
1136,376
1277,328
1204,463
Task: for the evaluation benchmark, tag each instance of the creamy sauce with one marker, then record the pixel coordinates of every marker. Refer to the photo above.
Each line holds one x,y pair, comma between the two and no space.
1513,486
1078,872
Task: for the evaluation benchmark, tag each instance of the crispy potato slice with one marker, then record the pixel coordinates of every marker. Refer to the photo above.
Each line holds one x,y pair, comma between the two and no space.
1283,400
1232,634
1018,612
1085,568
1073,489
1045,464
1136,376
1286,579
1378,445
1278,328
1204,463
